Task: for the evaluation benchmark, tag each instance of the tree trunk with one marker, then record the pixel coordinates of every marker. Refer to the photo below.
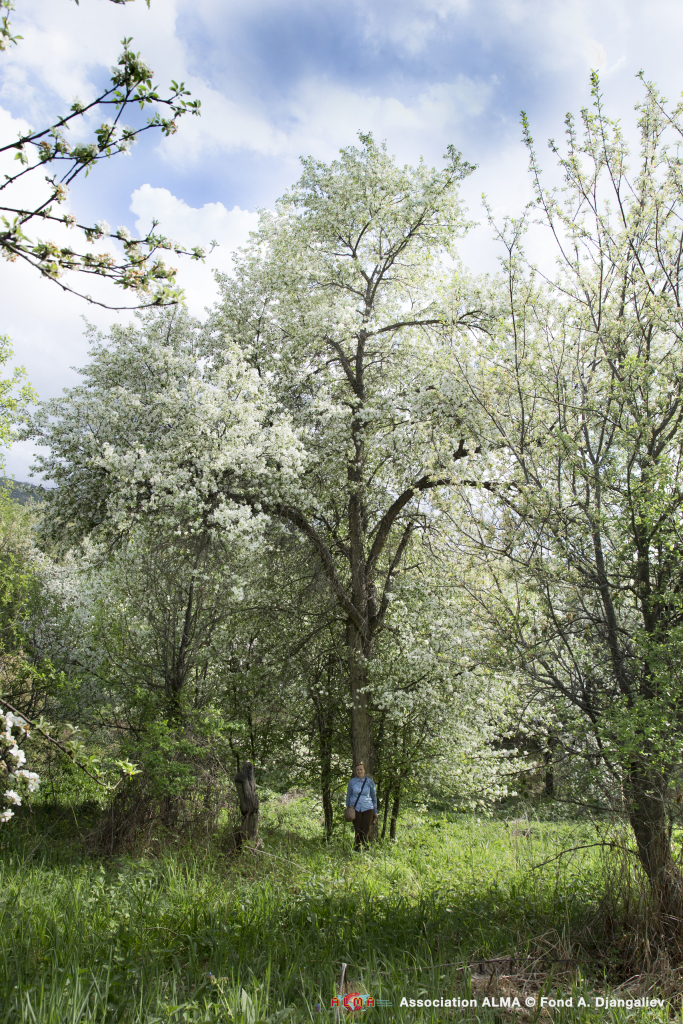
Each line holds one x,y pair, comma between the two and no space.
385,812
245,784
650,824
549,781
361,722
328,811
361,734
394,813
326,772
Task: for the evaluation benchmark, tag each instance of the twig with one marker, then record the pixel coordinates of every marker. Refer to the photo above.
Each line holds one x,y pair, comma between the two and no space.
585,846
57,743
337,1011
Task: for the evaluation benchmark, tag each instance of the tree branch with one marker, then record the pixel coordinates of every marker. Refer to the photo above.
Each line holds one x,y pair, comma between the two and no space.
387,521
299,520
395,562
57,743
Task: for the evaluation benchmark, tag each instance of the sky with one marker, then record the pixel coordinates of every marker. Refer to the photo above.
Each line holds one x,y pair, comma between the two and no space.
278,80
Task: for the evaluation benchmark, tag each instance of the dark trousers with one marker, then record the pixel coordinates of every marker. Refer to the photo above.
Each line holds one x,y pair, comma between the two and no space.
361,827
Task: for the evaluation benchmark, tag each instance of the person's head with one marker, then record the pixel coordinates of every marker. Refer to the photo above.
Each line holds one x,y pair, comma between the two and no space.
360,769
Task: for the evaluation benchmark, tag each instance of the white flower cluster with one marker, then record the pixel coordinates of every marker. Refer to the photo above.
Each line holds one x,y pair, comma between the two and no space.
12,758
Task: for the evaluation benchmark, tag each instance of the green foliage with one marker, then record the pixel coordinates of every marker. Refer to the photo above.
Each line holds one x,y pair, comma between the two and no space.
31,680
372,500
12,402
308,406
27,672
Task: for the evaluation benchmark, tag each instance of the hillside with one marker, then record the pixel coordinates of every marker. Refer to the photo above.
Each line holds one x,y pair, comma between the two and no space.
23,492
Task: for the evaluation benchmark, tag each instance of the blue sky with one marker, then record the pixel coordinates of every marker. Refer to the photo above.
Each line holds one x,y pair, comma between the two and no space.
279,79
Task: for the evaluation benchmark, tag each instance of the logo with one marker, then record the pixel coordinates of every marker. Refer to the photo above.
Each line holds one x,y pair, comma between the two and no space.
354,1001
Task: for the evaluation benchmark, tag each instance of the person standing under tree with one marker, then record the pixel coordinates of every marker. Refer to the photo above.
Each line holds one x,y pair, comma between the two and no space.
362,796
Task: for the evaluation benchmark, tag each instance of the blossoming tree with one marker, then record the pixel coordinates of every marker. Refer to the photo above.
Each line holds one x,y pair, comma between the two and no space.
577,542
339,303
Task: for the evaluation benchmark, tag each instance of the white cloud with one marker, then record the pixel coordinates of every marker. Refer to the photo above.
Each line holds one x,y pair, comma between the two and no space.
596,54
329,114
224,126
324,115
67,48
190,227
11,127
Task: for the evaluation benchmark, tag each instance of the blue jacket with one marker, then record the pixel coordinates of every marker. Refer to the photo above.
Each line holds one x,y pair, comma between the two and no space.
369,798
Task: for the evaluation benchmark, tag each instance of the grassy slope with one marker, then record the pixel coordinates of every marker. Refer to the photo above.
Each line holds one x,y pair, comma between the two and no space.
210,938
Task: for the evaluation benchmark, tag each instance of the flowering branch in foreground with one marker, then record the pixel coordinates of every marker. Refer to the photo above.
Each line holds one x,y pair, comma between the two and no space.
138,268
19,780
14,727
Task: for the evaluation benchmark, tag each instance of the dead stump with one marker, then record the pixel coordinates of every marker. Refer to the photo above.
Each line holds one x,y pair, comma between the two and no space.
245,783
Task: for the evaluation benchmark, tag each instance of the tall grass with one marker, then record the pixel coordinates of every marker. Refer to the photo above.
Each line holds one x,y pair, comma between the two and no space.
209,937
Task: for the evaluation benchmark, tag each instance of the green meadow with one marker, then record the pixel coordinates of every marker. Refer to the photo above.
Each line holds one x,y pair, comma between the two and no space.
457,908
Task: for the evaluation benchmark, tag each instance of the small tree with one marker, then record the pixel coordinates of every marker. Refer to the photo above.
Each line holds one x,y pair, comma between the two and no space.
577,538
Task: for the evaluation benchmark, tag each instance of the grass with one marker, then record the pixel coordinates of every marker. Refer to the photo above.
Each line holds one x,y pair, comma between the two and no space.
206,937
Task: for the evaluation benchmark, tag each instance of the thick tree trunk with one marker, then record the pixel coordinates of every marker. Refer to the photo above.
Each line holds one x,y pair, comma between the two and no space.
650,824
361,733
245,784
361,722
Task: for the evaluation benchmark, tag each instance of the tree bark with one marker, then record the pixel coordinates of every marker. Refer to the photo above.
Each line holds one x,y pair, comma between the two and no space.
394,813
326,771
385,812
549,781
245,784
328,811
651,827
361,721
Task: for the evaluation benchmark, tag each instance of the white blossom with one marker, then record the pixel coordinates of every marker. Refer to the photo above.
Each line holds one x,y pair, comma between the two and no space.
32,779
